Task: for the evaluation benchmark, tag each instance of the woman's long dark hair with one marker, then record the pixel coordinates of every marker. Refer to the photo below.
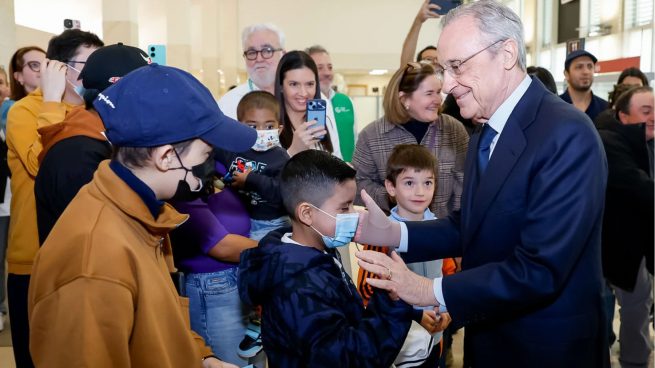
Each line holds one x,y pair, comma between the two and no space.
291,61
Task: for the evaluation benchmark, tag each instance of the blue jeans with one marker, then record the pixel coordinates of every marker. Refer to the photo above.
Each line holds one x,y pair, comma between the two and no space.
259,228
217,313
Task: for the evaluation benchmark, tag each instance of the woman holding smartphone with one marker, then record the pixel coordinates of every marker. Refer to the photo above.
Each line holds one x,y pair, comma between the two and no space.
296,82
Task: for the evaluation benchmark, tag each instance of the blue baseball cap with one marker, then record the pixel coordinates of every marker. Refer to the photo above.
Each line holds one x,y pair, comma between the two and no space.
157,105
576,54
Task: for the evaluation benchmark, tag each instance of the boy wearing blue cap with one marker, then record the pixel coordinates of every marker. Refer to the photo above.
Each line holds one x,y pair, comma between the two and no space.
101,293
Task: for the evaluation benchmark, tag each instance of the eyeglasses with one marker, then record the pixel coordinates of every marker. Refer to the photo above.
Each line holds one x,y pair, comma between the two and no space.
454,67
74,61
34,66
267,53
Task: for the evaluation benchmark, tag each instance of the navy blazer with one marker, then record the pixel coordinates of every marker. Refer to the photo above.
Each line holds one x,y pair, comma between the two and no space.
529,236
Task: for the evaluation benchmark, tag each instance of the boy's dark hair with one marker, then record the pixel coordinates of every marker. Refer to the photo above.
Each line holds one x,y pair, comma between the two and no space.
544,76
64,46
410,156
139,156
310,176
257,100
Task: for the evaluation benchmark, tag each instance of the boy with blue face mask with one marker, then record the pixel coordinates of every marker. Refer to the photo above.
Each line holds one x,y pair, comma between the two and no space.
255,173
313,315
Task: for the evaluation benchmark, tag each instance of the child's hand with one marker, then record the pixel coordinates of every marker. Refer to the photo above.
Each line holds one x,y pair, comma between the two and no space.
429,321
239,179
443,320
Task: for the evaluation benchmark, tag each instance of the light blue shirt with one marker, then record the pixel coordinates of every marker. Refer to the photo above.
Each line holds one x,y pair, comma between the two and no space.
497,122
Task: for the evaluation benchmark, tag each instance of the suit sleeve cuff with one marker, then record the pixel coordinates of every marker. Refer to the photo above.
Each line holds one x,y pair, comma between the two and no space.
403,246
438,294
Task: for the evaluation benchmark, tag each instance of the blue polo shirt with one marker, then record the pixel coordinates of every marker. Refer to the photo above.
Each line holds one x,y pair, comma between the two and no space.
596,106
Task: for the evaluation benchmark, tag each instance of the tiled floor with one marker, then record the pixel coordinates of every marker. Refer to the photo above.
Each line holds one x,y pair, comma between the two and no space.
7,359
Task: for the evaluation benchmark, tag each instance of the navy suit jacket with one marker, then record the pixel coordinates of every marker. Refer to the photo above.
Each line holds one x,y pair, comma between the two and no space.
529,236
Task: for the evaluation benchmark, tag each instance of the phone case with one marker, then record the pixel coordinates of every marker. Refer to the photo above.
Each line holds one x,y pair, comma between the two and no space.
157,54
316,110
446,5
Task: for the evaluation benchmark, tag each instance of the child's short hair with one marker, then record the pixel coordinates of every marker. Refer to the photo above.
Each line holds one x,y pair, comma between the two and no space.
310,176
405,156
257,100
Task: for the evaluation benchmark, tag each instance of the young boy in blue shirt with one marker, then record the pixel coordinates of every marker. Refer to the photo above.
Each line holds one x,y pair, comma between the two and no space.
312,313
411,183
255,173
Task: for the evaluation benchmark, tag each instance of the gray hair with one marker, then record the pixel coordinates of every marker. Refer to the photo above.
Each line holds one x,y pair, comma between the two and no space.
261,27
316,49
495,21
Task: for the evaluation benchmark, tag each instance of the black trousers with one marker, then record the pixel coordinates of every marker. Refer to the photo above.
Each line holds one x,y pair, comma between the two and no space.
17,286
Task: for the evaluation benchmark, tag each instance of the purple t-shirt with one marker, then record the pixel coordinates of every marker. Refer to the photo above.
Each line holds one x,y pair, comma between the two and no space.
208,224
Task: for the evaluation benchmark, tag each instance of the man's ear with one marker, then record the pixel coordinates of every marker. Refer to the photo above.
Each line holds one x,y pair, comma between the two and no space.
304,213
391,189
511,54
164,158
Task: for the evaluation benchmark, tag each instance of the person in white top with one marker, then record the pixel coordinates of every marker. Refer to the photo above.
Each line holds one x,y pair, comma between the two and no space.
296,82
263,46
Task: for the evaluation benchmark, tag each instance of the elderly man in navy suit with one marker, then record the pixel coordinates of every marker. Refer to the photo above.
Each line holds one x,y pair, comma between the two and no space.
530,293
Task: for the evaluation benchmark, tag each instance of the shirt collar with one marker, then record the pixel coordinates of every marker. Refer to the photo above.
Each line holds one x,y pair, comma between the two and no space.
427,215
144,191
500,117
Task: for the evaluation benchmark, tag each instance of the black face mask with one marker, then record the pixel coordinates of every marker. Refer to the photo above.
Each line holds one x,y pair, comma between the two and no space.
205,172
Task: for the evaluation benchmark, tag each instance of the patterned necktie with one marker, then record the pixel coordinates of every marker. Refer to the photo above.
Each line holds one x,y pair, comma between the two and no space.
487,135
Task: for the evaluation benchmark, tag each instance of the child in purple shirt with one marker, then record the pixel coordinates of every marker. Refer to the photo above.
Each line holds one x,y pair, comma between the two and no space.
206,249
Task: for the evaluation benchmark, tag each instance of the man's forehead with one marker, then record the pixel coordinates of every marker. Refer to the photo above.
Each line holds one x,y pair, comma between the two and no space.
582,60
263,38
458,36
642,99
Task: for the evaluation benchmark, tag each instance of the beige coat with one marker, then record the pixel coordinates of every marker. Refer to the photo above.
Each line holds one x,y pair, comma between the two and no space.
101,294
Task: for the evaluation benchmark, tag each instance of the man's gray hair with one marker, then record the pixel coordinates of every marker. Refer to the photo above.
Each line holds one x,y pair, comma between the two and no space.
261,27
316,49
495,21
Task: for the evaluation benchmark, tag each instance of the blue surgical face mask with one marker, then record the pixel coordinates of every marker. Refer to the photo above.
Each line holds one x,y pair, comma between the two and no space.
78,89
344,230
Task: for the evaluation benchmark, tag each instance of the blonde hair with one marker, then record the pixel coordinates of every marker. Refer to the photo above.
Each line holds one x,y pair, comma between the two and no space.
407,80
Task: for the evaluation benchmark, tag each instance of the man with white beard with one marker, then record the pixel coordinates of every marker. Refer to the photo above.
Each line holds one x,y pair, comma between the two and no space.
263,47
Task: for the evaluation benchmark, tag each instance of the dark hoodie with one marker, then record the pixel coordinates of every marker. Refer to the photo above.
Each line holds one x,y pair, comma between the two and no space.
628,218
312,314
72,151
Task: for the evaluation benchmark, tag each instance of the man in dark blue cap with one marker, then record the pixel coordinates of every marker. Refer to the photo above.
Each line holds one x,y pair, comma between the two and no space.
101,294
579,68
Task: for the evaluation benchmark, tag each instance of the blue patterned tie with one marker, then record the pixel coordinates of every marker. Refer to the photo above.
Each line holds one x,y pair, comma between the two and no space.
487,135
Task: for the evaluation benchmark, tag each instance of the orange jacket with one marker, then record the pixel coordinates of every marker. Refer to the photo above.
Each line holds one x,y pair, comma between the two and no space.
101,294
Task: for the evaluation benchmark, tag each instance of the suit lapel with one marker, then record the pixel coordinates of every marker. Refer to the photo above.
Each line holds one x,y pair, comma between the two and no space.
508,150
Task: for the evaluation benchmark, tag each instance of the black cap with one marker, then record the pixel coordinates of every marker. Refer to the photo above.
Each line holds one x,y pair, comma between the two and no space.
574,55
108,64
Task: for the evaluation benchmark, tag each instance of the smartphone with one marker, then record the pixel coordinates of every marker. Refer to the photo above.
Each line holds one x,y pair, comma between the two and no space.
446,5
71,24
316,110
157,54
